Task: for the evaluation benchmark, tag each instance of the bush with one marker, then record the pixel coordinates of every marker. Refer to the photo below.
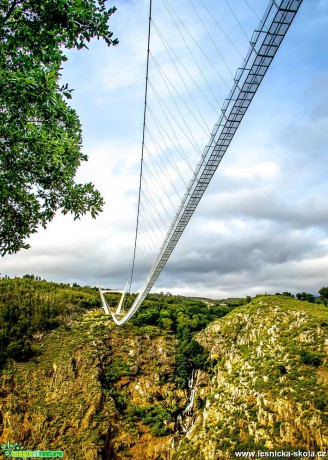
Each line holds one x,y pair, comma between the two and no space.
158,418
20,350
282,369
120,398
321,401
305,296
182,370
117,369
311,358
199,402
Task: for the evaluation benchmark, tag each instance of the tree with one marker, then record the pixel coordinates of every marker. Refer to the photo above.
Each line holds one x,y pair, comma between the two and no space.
323,292
287,294
305,296
40,135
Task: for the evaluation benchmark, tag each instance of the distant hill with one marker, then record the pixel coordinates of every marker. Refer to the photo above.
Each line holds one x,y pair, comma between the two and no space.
183,380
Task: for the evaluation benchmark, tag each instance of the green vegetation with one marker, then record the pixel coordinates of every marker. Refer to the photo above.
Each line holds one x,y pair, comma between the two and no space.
190,355
40,134
311,358
116,369
58,388
158,418
183,318
177,320
269,386
323,296
286,294
88,383
29,306
323,292
305,296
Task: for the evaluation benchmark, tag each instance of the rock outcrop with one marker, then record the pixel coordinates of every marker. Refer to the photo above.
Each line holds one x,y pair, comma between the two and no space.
268,388
96,391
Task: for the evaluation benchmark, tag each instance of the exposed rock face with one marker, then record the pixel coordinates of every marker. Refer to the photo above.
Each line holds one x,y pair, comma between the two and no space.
96,391
269,386
61,400
55,401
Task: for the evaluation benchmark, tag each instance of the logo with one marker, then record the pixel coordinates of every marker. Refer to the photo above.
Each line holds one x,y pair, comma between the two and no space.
8,448
16,451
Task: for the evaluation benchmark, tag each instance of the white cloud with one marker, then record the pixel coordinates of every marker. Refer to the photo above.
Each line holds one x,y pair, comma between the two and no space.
261,171
262,224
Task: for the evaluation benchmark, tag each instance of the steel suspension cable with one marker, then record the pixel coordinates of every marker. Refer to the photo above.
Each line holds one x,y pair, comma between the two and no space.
169,50
264,44
143,144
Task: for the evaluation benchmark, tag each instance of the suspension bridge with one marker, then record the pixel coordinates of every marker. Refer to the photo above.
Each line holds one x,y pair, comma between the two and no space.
175,170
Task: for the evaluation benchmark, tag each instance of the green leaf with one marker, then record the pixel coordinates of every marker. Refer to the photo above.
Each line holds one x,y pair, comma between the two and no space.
40,134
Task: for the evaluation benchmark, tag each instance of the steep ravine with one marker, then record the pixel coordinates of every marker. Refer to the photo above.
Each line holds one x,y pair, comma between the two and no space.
101,392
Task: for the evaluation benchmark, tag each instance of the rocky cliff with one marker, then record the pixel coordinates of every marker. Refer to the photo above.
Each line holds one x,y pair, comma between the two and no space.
96,391
268,387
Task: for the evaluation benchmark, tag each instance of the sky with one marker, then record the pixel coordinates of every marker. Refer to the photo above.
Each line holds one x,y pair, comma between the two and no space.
262,224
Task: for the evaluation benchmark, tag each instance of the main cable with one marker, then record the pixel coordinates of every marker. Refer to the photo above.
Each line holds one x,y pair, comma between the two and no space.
143,145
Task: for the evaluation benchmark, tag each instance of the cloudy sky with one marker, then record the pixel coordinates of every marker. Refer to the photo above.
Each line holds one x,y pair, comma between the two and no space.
262,225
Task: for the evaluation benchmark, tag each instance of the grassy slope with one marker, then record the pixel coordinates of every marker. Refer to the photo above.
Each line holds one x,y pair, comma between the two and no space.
269,386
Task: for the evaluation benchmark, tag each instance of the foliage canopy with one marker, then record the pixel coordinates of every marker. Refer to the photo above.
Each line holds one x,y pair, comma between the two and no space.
29,306
324,292
40,135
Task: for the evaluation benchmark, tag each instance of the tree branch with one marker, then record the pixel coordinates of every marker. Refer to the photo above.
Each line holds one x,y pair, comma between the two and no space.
11,9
